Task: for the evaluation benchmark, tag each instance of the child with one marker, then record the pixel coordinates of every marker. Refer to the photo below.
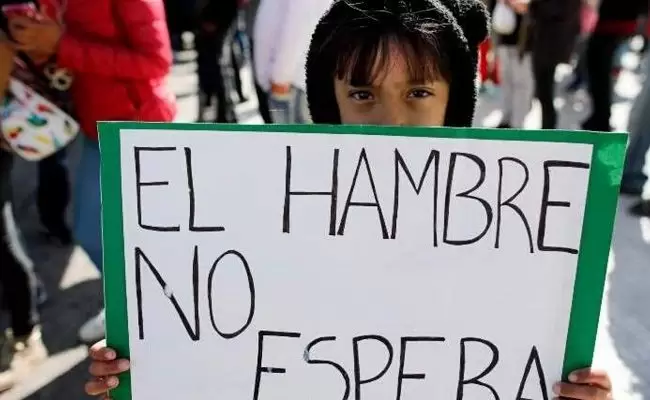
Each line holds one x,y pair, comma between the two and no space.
389,63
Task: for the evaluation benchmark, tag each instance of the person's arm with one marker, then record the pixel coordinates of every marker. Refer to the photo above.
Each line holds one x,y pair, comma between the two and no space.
289,48
148,53
6,64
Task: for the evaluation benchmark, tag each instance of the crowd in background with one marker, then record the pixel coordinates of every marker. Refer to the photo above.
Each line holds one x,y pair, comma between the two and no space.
115,61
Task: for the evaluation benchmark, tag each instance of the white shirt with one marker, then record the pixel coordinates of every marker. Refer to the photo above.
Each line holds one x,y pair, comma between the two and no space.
282,34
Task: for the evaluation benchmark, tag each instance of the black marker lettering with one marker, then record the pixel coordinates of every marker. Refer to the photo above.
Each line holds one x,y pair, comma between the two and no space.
534,358
509,202
260,350
357,364
462,381
190,183
400,164
466,195
402,360
546,204
333,193
346,377
363,159
194,333
251,289
139,185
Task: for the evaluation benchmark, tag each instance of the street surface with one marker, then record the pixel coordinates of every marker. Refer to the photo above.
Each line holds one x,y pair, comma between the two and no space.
75,289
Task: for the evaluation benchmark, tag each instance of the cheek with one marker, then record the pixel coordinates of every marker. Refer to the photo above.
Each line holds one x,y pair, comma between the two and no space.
433,114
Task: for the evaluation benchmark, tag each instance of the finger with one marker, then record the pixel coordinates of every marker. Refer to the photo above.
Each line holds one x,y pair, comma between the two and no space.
580,392
99,352
101,386
588,376
106,368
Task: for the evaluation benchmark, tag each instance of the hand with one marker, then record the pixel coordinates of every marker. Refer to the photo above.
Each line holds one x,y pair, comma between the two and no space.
585,384
36,36
519,6
281,91
104,368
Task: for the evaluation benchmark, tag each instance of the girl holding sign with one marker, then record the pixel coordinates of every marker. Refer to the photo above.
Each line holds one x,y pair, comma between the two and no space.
389,62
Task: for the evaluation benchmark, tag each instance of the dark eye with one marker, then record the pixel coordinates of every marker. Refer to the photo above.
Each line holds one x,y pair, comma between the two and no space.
420,93
361,95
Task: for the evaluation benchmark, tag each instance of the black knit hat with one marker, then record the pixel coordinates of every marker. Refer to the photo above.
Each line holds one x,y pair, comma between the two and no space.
450,31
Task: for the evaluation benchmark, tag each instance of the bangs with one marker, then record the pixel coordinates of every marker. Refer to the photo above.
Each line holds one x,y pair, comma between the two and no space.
365,57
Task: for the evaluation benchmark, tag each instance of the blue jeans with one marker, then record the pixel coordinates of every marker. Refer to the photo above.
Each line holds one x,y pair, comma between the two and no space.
637,164
293,110
87,203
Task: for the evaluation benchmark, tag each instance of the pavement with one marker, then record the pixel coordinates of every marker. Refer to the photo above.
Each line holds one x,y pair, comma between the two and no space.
75,288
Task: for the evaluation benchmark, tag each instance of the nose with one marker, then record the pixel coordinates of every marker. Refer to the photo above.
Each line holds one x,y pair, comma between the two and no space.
392,114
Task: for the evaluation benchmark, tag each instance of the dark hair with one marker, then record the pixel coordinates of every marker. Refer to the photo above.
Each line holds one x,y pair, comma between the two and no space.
353,39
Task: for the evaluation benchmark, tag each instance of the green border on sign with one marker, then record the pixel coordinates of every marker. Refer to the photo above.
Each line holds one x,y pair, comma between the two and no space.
600,213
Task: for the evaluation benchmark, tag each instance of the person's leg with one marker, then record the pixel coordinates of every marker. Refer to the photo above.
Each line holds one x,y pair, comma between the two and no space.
87,203
87,224
208,71
235,57
302,108
262,97
639,127
600,58
544,73
53,196
282,109
524,88
225,83
16,268
263,100
506,55
23,348
580,69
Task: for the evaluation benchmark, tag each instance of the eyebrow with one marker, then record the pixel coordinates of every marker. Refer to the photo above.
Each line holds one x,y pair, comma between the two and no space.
412,82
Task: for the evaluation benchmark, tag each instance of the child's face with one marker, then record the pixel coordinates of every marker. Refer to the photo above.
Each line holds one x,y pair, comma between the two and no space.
393,99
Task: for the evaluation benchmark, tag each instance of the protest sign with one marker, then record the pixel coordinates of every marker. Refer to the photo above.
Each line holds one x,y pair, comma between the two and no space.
337,262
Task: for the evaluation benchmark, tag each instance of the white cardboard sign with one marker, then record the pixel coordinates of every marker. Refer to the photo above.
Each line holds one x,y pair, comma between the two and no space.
326,263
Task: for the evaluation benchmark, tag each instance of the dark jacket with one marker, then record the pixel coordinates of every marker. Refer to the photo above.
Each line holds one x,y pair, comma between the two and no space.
620,18
555,29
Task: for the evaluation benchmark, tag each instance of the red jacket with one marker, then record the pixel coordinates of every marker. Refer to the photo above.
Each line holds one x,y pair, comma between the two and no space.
120,54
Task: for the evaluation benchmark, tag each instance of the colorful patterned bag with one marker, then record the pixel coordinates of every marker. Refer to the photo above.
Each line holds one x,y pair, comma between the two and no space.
33,126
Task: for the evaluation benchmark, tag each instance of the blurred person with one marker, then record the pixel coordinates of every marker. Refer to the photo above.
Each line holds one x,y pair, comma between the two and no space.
281,38
251,8
618,21
53,189
213,40
21,346
517,84
119,53
555,28
389,62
